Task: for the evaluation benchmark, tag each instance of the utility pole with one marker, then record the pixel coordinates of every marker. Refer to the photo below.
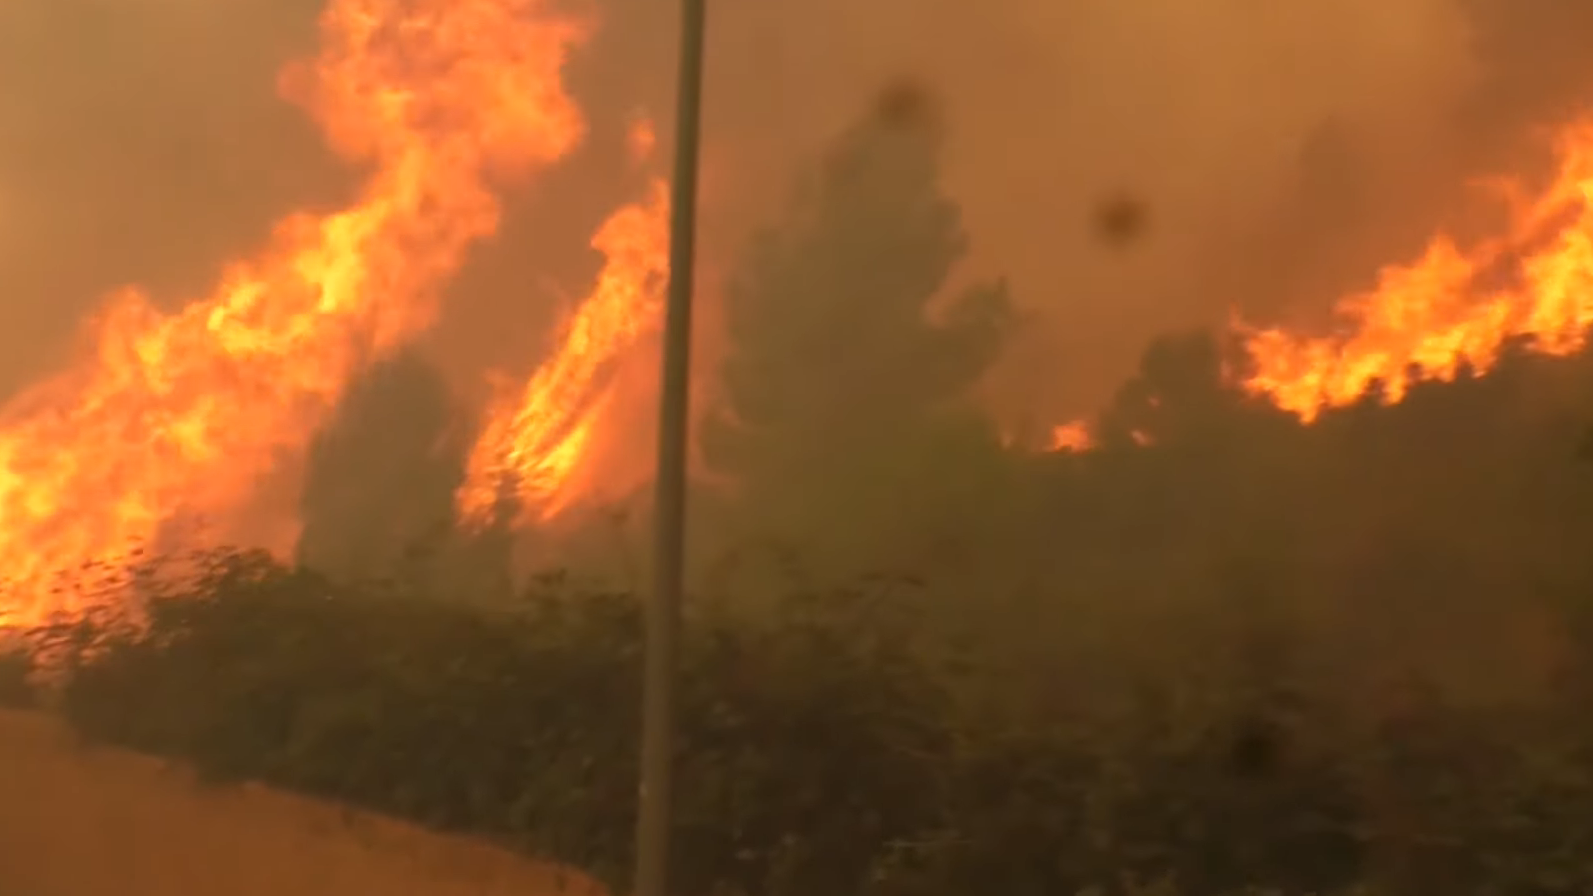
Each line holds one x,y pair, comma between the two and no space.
669,503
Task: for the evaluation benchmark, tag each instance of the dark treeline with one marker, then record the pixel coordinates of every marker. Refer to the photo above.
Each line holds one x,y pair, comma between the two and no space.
1224,653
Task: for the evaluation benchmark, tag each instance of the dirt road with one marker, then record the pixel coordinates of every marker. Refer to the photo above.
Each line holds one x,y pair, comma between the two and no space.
86,821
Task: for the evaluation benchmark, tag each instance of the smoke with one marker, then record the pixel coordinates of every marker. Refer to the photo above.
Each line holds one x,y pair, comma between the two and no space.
1534,66
142,140
1359,200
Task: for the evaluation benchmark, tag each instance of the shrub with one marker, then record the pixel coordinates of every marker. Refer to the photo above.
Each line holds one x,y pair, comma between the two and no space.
825,748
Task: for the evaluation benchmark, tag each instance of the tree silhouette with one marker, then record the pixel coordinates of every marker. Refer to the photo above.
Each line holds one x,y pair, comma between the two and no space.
381,476
844,370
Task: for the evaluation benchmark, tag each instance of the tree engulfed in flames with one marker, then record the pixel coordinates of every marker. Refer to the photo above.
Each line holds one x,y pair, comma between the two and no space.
181,414
534,441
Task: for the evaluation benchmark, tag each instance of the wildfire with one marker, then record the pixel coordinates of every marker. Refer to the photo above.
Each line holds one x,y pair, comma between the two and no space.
177,416
535,441
1451,309
171,416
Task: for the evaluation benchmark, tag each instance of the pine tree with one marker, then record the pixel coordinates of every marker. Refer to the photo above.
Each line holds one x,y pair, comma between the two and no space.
847,363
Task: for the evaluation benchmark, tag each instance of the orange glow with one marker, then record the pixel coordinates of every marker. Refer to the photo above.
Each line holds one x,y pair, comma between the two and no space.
541,438
641,140
1451,309
176,416
1072,437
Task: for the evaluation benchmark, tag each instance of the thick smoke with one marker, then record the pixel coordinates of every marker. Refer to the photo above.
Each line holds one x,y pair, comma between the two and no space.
141,141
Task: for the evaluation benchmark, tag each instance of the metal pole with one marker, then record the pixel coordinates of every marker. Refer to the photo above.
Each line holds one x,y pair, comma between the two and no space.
674,414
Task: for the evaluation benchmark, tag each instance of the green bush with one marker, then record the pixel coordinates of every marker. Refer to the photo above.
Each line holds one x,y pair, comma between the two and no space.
825,748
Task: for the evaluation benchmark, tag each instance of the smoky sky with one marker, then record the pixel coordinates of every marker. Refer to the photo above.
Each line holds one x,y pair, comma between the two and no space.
1283,151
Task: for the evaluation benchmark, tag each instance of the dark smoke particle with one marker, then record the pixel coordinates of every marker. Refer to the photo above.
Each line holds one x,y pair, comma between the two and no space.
906,104
1120,220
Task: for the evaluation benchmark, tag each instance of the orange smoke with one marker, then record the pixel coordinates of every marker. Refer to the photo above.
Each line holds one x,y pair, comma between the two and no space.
641,140
176,416
1450,310
537,442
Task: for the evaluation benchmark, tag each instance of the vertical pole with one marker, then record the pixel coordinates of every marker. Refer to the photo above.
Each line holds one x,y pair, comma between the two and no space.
674,415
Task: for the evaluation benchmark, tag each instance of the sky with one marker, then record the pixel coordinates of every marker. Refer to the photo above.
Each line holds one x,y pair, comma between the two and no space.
1284,152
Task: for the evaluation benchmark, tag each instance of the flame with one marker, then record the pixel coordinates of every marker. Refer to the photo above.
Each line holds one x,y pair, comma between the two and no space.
538,440
177,415
1443,314
1072,437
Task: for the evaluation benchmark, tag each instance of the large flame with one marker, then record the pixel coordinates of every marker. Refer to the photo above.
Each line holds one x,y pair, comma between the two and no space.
536,439
177,415
1451,310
